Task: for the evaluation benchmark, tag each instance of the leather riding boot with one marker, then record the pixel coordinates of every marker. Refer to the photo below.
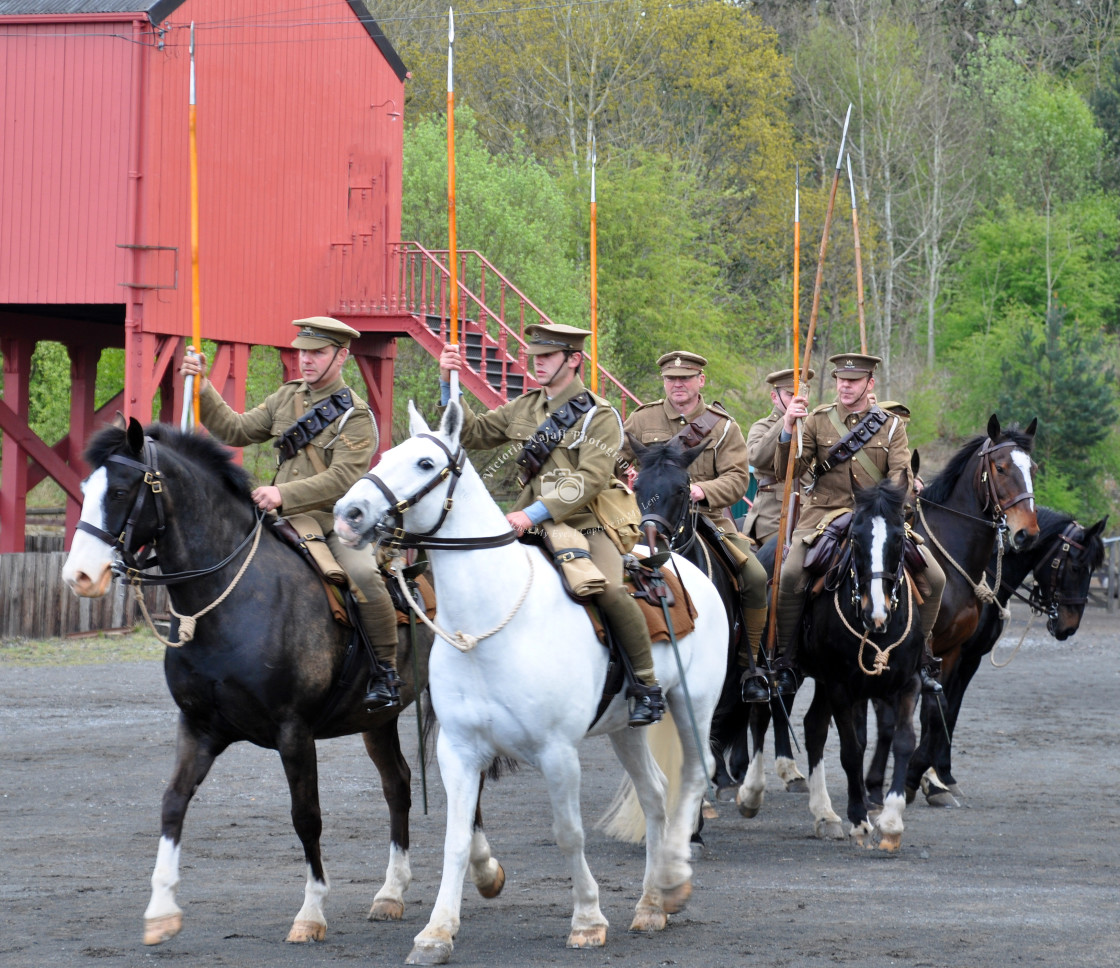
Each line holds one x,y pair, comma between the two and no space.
784,676
753,685
930,669
628,625
379,619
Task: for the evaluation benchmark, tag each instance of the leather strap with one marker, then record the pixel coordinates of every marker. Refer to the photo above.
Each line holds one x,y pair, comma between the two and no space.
698,430
851,443
311,424
546,438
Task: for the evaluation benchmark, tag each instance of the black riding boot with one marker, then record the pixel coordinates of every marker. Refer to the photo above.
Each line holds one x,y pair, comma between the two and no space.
379,620
930,669
753,685
382,690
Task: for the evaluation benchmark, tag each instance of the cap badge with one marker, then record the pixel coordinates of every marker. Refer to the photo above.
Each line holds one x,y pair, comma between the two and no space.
677,361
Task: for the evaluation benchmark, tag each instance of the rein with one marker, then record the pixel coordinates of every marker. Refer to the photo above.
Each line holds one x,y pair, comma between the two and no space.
981,590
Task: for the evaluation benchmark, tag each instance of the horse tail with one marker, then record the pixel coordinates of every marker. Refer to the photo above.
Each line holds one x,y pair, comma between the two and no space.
623,819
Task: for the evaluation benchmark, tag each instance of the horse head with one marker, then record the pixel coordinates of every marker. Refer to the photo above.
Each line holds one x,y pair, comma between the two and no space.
408,494
662,488
1062,577
877,534
1004,478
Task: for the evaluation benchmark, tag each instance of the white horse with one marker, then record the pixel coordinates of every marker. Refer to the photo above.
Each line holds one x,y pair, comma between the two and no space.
523,677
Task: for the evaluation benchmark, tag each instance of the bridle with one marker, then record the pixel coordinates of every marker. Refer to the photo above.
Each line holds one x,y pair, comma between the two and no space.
137,557
672,530
985,481
1046,595
894,577
390,528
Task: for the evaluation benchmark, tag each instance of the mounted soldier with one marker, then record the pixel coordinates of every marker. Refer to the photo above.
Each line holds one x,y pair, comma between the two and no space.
847,445
719,478
761,522
325,437
570,441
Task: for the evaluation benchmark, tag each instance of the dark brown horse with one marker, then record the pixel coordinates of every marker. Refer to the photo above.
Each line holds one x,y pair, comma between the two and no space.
267,662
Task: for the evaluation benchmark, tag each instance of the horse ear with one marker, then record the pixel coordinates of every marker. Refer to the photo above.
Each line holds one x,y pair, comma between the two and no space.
119,422
1031,427
692,453
452,424
993,428
135,435
915,462
1096,529
640,450
416,423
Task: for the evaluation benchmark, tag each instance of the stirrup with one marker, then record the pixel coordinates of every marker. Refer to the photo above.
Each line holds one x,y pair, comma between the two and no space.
645,704
382,691
783,678
754,687
929,678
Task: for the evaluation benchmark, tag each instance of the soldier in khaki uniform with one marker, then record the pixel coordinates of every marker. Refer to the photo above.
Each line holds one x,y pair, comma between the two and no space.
761,522
887,452
555,496
318,466
719,478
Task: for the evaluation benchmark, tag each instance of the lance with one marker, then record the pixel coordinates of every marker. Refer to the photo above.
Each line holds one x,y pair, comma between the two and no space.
191,408
452,254
787,491
594,280
859,263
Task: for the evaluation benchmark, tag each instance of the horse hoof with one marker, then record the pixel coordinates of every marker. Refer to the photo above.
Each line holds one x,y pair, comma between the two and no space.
797,784
862,835
937,795
593,937
745,810
159,930
829,830
430,953
708,810
890,842
674,900
648,917
304,931
726,794
494,888
386,909
955,789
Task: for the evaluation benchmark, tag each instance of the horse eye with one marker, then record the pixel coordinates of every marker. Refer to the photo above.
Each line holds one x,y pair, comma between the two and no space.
425,463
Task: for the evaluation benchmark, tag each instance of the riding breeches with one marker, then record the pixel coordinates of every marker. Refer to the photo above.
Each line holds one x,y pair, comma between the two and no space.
379,617
935,575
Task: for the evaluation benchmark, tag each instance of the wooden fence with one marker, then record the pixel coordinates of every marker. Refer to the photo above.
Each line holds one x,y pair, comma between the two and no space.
1110,574
35,604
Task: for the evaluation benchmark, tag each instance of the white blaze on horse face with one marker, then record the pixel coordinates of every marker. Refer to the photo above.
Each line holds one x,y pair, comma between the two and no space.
1023,462
878,547
87,567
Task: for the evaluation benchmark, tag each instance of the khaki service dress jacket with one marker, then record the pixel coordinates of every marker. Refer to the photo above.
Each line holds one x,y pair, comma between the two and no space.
576,470
721,470
344,449
888,450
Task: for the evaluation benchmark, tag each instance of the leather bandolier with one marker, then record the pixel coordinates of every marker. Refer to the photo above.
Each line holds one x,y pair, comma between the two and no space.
313,423
548,435
850,444
698,430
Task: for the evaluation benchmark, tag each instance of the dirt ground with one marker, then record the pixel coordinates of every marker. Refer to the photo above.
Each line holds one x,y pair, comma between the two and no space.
1024,873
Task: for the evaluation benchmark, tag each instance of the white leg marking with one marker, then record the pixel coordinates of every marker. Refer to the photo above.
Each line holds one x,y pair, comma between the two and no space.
820,803
890,820
314,894
398,875
165,880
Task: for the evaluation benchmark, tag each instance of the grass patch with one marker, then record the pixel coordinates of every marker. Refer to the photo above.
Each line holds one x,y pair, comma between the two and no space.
126,646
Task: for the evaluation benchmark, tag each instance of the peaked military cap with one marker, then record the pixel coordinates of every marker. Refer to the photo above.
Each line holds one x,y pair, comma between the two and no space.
850,365
556,336
681,363
783,379
318,331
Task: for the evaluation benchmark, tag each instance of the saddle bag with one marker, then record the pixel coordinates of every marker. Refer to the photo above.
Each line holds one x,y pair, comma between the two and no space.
825,543
616,509
912,553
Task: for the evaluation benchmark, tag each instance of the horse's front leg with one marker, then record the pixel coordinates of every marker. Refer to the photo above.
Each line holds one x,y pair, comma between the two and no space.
784,763
297,752
826,822
752,791
560,766
384,747
889,823
433,945
194,755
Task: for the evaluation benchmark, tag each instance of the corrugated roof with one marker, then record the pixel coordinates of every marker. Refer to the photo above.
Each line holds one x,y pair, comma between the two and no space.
158,10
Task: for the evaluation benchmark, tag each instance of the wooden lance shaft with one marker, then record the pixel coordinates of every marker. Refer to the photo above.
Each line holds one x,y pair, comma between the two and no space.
787,490
859,263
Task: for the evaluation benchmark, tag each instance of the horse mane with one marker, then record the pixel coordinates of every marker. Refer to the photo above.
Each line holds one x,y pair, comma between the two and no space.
669,453
197,448
886,499
940,488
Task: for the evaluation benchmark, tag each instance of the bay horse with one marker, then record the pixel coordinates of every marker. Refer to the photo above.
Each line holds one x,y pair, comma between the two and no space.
521,676
860,640
267,663
984,493
662,488
1062,562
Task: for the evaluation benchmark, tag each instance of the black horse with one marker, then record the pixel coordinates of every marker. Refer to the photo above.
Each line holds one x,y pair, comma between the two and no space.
1062,561
738,729
861,640
267,663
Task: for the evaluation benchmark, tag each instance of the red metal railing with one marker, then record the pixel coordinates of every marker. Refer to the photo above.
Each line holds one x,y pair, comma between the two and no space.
422,288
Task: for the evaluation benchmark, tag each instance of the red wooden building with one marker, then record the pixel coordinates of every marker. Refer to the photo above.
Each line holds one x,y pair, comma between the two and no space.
299,137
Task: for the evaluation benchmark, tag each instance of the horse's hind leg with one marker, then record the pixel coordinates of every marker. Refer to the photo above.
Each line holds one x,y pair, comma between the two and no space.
486,873
852,732
784,763
889,823
826,822
297,753
194,756
884,734
752,791
384,748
